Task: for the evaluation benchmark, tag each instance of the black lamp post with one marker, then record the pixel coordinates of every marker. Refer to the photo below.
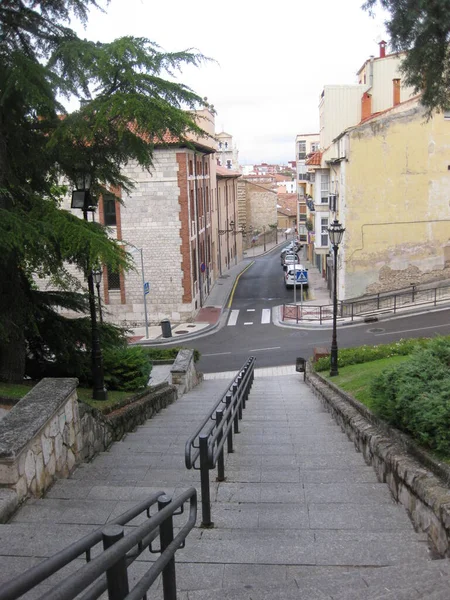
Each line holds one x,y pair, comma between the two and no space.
335,231
97,275
81,199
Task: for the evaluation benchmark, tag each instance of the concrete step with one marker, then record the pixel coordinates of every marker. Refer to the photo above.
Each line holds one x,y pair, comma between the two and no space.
420,580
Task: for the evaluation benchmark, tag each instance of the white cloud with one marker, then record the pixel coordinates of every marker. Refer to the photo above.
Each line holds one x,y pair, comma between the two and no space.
272,61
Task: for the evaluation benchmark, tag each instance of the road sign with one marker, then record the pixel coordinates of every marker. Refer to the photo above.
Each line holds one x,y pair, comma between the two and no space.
202,267
146,288
301,276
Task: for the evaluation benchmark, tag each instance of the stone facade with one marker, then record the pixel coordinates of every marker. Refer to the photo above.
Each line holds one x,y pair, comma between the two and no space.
260,204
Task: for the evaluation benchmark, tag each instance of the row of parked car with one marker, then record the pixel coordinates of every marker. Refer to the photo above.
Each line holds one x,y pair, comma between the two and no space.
295,272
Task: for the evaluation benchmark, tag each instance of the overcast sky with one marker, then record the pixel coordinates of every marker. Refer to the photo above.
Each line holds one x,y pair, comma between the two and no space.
273,59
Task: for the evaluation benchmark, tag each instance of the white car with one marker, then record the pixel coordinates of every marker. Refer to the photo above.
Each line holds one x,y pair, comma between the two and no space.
291,278
289,259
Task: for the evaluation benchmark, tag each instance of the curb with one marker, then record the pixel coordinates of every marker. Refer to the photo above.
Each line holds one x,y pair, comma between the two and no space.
8,504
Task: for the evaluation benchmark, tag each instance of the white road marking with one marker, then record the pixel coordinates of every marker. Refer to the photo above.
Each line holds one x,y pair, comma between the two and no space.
266,314
217,354
263,349
249,323
233,318
250,310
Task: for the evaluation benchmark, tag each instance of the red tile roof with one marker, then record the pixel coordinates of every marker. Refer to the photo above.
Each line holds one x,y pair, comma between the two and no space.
315,159
224,172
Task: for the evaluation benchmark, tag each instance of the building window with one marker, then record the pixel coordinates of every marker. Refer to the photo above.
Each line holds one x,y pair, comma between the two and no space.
109,210
302,150
324,187
324,232
447,115
113,280
315,147
226,145
220,145
228,164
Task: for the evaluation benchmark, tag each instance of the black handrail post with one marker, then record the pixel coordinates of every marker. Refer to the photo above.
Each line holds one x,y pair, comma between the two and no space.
166,538
204,481
243,391
395,303
220,458
117,575
235,388
435,295
230,432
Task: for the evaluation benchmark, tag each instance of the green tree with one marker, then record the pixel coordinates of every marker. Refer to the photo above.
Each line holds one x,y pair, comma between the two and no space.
126,105
422,27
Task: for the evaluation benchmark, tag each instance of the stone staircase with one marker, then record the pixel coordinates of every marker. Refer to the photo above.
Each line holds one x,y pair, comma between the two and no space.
300,515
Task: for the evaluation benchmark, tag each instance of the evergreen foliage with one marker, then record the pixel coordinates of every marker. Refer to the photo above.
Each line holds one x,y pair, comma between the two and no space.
126,106
126,368
422,27
415,396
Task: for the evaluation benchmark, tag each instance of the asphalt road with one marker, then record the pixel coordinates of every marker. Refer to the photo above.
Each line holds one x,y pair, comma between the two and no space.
262,287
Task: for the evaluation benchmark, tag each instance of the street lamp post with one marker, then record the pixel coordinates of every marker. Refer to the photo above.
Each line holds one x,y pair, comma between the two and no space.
145,288
335,231
97,275
81,199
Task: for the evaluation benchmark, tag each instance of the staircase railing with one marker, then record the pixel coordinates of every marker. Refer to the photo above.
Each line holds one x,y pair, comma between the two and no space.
205,447
109,570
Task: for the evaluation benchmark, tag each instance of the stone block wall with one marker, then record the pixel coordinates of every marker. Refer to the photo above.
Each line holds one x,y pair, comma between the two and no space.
40,438
183,373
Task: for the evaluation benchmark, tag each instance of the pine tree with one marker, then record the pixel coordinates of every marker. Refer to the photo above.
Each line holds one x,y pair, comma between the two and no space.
126,105
422,28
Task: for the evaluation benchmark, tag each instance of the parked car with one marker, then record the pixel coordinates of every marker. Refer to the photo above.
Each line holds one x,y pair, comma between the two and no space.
290,278
289,259
288,253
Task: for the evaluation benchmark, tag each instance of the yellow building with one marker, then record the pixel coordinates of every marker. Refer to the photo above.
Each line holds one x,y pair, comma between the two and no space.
394,201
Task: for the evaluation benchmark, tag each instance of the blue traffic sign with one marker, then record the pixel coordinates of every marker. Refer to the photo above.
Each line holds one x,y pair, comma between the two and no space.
301,276
146,288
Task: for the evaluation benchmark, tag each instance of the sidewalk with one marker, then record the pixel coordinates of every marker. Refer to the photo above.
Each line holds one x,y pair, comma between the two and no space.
300,515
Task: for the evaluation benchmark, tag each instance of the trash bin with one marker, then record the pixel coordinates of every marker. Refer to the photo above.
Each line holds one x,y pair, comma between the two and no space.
300,366
166,328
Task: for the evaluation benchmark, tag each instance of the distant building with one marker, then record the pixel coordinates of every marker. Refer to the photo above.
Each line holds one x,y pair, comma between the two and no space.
227,153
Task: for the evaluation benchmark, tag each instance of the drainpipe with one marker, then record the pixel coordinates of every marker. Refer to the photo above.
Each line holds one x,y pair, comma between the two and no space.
206,225
197,237
219,239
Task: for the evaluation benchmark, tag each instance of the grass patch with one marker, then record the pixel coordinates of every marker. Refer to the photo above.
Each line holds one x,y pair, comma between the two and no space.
16,391
116,399
356,379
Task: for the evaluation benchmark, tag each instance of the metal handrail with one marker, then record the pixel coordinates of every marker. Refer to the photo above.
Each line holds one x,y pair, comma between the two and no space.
216,429
114,560
370,304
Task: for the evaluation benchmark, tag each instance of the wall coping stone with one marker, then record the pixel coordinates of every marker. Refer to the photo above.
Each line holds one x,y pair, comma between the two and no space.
410,467
182,361
31,413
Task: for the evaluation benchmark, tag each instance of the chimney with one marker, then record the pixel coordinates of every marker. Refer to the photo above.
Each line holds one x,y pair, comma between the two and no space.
366,106
396,91
382,45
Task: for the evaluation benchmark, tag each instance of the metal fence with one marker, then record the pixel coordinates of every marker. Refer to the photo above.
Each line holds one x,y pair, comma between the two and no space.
368,306
205,447
108,571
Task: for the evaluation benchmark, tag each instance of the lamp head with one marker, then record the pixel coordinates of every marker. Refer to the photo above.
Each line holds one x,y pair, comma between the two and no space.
336,233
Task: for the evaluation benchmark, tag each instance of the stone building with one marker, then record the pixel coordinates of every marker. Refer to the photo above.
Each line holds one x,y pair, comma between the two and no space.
228,229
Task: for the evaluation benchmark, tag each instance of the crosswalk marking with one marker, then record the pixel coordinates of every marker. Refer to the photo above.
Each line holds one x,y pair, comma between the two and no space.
233,317
266,316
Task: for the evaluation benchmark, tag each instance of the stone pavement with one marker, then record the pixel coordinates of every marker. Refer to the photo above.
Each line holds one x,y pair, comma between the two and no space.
300,515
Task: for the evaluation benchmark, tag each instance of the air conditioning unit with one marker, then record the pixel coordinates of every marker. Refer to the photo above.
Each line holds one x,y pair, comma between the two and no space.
332,202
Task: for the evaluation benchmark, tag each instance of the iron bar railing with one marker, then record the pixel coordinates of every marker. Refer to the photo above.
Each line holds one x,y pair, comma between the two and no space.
109,570
205,447
368,306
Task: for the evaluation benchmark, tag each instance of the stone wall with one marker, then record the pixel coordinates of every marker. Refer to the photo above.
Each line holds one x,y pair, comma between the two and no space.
183,373
40,438
415,479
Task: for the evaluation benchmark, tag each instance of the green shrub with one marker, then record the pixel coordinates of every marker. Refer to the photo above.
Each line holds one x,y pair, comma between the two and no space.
415,396
160,353
362,354
126,368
